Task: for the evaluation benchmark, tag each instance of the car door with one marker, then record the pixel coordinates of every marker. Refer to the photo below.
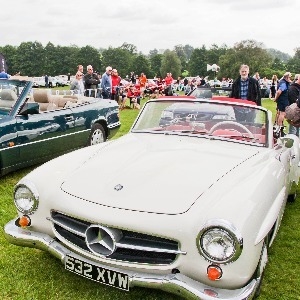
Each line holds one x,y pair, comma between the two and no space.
44,135
84,117
9,153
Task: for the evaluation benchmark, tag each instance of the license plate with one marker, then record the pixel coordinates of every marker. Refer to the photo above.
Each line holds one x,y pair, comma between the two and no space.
95,273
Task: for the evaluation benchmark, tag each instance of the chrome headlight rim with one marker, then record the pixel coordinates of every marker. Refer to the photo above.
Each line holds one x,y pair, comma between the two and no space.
226,228
24,183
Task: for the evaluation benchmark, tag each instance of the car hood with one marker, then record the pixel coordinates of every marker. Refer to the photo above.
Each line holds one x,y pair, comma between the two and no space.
154,173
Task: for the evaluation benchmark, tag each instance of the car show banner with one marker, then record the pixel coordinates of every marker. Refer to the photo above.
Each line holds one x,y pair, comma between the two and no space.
3,66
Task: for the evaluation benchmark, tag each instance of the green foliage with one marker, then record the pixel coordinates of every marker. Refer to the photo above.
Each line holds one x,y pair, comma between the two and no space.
118,58
88,56
155,62
32,59
140,64
293,64
170,64
198,62
247,52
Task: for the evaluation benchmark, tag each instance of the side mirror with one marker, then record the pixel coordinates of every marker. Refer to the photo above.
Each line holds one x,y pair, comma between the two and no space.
30,108
287,142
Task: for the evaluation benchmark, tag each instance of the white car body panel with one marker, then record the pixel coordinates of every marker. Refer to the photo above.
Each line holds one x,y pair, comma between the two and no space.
169,185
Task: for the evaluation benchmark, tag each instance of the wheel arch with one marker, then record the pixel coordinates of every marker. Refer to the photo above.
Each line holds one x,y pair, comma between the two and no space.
104,125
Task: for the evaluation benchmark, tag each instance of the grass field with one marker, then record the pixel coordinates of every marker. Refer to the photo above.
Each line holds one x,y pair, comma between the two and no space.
30,274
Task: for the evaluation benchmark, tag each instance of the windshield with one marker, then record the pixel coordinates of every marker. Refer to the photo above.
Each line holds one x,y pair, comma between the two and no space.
210,92
218,119
10,90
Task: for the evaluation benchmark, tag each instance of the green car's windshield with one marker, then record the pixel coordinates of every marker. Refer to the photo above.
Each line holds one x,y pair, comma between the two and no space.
10,91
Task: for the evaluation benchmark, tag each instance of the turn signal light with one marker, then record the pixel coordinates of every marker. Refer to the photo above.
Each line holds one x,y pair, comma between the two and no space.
214,272
24,221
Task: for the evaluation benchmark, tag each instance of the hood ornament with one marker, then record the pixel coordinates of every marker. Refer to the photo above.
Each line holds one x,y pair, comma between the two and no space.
118,187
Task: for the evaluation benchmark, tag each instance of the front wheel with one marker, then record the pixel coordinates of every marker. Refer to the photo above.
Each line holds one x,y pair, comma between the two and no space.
292,198
97,135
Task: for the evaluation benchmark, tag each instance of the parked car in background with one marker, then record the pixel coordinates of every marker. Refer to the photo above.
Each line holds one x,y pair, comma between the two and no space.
36,126
38,82
215,83
191,208
208,92
59,81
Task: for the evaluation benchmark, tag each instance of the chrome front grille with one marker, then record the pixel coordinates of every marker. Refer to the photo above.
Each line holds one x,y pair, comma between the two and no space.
122,245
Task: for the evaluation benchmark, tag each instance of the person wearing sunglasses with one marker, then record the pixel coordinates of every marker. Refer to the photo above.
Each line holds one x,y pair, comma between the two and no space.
77,84
91,82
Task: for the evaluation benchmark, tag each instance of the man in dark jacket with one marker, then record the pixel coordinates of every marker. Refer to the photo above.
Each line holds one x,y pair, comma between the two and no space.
246,88
91,82
293,95
281,97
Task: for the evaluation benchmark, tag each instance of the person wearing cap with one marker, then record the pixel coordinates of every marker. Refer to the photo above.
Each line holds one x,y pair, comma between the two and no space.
281,97
293,96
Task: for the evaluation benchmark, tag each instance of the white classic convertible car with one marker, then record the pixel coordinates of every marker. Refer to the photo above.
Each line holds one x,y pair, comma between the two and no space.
190,208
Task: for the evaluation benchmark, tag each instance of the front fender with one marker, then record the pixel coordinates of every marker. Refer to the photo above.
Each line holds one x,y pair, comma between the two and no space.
272,215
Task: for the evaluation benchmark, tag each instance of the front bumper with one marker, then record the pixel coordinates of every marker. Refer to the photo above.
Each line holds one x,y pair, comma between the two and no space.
178,284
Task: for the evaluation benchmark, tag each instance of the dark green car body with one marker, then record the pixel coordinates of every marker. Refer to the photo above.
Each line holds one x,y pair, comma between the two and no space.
29,136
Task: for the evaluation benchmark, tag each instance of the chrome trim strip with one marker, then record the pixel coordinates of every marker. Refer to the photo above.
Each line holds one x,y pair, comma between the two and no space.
173,283
130,246
48,139
79,233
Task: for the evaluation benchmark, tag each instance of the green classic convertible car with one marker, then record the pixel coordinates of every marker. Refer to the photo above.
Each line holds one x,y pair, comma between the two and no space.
38,125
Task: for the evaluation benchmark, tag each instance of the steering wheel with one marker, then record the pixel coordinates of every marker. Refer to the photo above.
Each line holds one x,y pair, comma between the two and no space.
214,128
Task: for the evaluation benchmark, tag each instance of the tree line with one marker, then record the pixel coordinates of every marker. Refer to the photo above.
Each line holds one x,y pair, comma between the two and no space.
33,59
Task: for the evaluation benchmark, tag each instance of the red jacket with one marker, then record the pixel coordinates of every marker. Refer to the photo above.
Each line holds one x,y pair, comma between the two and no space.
133,93
169,80
115,81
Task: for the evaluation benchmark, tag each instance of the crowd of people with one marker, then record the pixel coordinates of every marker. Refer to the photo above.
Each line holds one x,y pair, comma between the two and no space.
110,85
134,87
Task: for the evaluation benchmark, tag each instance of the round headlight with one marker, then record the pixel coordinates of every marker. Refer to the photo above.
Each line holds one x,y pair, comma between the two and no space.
219,242
26,197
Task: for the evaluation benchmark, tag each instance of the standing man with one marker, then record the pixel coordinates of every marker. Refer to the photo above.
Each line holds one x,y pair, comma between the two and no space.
281,97
50,81
293,95
106,83
46,81
91,82
3,75
246,88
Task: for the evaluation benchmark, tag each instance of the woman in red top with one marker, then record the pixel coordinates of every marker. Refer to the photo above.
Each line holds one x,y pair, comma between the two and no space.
134,96
143,82
169,79
115,83
168,85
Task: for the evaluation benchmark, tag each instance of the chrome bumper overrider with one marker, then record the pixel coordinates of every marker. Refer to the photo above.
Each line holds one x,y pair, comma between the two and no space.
172,283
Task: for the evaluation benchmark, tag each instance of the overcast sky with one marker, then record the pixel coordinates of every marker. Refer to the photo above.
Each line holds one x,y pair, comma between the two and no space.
151,24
